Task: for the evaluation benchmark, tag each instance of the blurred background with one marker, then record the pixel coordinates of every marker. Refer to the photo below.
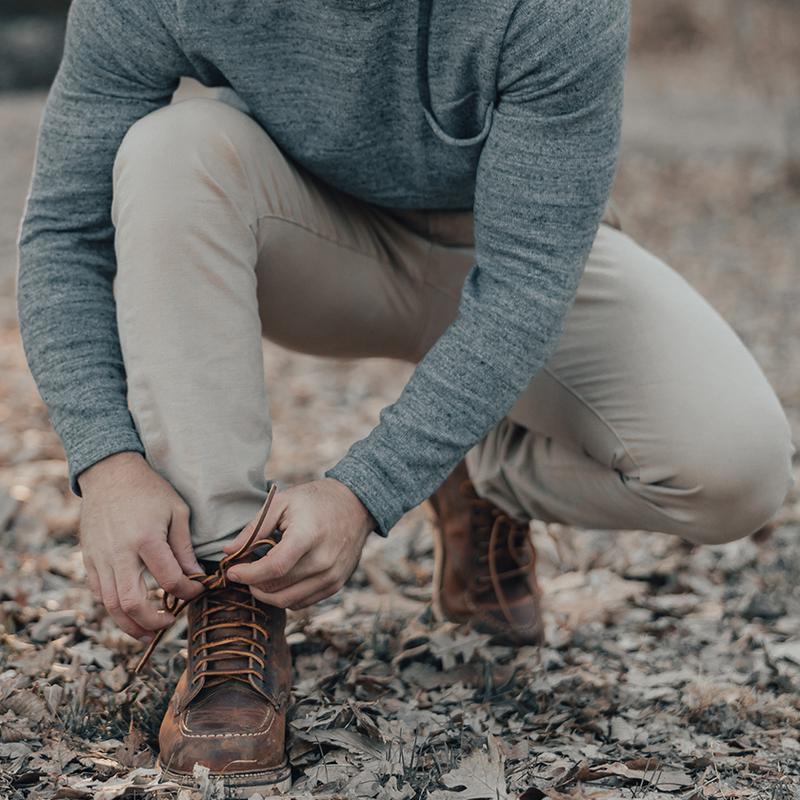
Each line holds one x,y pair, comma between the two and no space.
709,179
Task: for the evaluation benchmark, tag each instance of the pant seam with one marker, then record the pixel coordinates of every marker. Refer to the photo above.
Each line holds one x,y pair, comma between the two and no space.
420,281
338,242
603,421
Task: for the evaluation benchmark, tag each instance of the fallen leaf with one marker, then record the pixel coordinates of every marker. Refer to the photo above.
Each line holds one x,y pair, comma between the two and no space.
26,704
480,776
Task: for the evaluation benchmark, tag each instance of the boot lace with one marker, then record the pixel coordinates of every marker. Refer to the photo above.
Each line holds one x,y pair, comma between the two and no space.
503,547
218,616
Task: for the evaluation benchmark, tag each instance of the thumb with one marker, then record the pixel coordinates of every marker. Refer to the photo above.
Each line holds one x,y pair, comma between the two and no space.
180,542
271,521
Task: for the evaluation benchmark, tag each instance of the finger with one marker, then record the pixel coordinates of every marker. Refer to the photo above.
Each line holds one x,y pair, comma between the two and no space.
276,564
164,567
180,540
308,566
93,580
132,594
323,594
271,521
108,590
322,585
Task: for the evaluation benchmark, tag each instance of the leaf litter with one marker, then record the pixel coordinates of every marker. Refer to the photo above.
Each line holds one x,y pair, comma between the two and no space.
683,682
669,671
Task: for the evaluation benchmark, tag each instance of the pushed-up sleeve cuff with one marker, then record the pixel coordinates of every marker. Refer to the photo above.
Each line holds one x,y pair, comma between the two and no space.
101,443
370,487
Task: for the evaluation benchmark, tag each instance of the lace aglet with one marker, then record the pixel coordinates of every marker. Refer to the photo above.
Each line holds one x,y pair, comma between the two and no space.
148,652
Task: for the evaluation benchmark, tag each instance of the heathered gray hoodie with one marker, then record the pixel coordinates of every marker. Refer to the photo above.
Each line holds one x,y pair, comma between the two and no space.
511,107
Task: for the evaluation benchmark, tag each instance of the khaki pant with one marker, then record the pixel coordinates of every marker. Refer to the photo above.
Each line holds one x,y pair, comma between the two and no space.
650,415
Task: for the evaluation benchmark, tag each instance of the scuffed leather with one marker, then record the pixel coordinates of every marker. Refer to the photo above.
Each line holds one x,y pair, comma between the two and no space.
500,598
232,726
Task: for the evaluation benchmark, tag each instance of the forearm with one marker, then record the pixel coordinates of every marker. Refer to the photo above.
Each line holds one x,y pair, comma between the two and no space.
119,64
543,179
464,385
69,332
114,469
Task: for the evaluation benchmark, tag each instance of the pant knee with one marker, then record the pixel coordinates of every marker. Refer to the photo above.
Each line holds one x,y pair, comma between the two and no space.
169,134
740,490
183,153
182,196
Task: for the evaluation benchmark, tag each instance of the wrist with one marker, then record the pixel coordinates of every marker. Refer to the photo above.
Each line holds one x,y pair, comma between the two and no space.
109,468
367,518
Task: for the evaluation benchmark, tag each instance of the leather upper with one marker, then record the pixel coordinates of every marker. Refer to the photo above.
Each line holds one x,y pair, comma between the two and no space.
487,570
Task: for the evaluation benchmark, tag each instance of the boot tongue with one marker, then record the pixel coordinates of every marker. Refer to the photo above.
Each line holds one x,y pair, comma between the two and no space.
227,636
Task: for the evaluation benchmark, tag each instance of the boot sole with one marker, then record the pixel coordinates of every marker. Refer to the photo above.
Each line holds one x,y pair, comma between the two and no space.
237,785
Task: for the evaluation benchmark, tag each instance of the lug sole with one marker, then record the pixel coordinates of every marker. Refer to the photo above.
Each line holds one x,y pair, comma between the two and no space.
237,785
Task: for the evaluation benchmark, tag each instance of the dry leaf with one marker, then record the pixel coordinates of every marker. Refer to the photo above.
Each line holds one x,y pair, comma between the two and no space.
27,705
480,776
349,740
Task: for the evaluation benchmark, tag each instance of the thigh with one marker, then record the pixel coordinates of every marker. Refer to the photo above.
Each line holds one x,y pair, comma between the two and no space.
647,377
335,276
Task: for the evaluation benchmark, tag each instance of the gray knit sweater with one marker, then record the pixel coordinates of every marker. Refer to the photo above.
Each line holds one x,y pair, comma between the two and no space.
510,107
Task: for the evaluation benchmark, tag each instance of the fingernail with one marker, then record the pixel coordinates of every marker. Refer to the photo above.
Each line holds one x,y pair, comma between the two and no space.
146,639
234,575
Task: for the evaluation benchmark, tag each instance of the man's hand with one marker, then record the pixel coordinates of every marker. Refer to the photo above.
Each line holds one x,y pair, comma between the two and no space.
324,527
132,520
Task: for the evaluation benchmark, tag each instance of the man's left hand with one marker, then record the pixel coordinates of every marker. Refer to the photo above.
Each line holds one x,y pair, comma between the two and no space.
323,528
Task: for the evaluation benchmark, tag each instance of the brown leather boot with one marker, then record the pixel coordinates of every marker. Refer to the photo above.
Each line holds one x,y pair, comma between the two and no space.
485,571
228,711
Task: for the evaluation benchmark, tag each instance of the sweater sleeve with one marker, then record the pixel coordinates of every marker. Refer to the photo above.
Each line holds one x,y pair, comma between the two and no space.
542,181
120,62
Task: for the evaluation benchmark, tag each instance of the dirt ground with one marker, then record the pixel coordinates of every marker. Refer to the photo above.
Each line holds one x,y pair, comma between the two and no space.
669,671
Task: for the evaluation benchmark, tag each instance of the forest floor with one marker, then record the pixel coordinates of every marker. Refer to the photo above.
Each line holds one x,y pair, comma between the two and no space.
669,671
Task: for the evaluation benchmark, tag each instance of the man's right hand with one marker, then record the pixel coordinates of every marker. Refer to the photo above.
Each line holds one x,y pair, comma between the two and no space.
133,521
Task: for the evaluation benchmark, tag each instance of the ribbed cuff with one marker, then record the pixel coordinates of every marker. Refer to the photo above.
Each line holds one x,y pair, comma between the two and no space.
371,489
97,446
